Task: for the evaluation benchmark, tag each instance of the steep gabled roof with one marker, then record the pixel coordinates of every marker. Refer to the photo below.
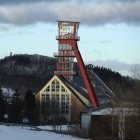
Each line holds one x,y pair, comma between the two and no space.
101,90
80,95
84,99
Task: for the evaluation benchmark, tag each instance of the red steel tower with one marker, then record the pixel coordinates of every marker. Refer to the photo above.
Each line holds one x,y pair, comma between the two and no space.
67,50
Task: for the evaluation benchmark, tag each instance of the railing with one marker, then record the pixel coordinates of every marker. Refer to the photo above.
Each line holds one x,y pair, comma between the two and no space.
66,54
64,72
68,37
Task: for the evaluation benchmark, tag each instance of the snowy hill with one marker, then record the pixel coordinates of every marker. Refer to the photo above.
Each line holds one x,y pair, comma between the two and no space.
29,71
23,64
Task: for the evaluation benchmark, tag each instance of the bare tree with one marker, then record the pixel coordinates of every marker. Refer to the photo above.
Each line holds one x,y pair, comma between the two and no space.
135,71
130,104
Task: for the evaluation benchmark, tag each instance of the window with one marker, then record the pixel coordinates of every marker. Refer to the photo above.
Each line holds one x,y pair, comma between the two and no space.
64,46
63,97
62,111
63,105
54,111
57,97
60,46
68,65
43,105
47,97
67,111
64,108
67,97
53,97
60,59
69,47
67,105
57,86
57,105
62,89
53,87
54,105
48,88
60,65
47,105
43,97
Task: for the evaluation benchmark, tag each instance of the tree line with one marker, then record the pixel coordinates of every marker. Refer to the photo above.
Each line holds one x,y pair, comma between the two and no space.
108,76
16,108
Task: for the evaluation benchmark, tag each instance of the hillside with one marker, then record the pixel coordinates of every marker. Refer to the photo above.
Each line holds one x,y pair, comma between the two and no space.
32,71
111,77
27,65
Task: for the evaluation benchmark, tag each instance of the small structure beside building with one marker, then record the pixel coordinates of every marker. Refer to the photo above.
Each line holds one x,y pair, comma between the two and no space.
110,123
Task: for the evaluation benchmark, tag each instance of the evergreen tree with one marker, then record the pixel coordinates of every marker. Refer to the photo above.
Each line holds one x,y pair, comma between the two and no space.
30,106
108,77
1,106
16,108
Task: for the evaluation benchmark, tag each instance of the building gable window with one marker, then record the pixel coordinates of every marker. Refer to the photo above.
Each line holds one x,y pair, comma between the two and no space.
55,100
62,89
67,98
47,97
43,105
43,97
48,88
65,103
63,97
55,86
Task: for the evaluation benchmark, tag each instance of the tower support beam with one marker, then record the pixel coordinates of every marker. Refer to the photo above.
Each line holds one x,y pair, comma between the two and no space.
83,71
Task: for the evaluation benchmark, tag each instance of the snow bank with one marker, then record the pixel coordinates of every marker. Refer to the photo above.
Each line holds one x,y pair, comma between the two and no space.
7,92
25,133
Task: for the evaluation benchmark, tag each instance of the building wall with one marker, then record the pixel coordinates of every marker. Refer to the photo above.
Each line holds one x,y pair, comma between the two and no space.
76,108
107,126
103,127
72,110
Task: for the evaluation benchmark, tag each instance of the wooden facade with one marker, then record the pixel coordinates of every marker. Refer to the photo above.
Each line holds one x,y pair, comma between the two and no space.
57,100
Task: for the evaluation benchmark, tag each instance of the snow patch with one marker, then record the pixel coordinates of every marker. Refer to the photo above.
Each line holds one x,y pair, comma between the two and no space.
19,133
7,91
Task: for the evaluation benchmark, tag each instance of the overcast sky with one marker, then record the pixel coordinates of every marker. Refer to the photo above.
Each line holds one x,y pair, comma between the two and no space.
109,29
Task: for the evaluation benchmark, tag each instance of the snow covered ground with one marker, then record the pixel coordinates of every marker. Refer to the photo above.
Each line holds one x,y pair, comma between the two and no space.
25,133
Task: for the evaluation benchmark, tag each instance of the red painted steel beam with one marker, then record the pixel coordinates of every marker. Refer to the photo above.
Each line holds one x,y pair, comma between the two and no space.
84,73
86,79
